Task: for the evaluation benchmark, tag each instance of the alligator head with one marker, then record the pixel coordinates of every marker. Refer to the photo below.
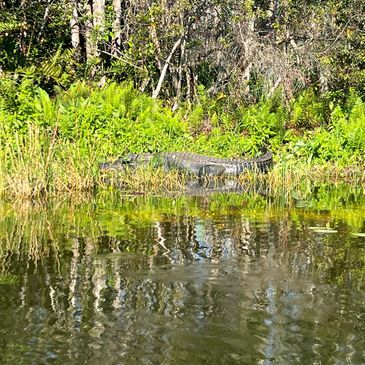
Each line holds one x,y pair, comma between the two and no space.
130,160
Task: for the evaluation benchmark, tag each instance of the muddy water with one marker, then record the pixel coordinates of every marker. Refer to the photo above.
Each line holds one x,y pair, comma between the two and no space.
223,279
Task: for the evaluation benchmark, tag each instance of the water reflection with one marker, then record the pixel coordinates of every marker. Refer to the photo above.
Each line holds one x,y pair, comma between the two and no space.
164,281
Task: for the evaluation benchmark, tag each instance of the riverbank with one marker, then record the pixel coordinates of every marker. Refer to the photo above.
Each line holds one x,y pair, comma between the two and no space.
29,179
55,144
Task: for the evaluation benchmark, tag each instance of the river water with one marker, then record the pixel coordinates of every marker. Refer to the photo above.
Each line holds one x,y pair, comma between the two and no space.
218,279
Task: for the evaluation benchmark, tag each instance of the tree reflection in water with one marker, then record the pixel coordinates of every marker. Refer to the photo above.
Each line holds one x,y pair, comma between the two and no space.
181,285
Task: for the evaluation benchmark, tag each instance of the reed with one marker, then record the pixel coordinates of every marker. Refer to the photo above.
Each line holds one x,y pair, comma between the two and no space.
298,180
25,165
144,180
39,164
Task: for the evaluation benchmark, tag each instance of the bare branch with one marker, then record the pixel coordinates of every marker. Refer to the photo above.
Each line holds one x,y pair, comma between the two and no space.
156,92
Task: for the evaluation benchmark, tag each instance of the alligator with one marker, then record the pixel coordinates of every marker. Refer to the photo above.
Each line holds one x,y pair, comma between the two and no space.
192,163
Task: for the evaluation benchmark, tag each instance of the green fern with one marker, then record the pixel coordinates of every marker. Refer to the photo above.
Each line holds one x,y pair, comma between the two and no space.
54,67
9,25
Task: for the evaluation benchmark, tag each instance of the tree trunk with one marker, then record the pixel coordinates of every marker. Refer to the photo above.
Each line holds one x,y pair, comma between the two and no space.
99,28
90,43
94,28
99,16
180,76
117,33
75,28
157,45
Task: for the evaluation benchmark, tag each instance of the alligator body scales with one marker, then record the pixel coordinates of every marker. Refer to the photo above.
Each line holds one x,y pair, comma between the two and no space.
192,163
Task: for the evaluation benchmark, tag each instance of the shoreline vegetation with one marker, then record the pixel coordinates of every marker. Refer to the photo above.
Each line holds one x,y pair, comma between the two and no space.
86,82
53,144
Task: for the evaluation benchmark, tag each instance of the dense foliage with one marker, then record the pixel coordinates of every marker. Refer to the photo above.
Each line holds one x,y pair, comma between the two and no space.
119,119
244,49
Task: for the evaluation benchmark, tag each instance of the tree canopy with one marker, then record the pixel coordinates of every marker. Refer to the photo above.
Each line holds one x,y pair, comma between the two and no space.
247,49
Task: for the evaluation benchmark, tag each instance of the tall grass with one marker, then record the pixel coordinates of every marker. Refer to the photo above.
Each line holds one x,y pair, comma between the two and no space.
35,164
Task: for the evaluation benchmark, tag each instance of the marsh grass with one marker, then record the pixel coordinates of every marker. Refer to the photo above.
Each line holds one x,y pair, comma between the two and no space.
285,181
144,180
75,167
25,165
39,164
298,180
